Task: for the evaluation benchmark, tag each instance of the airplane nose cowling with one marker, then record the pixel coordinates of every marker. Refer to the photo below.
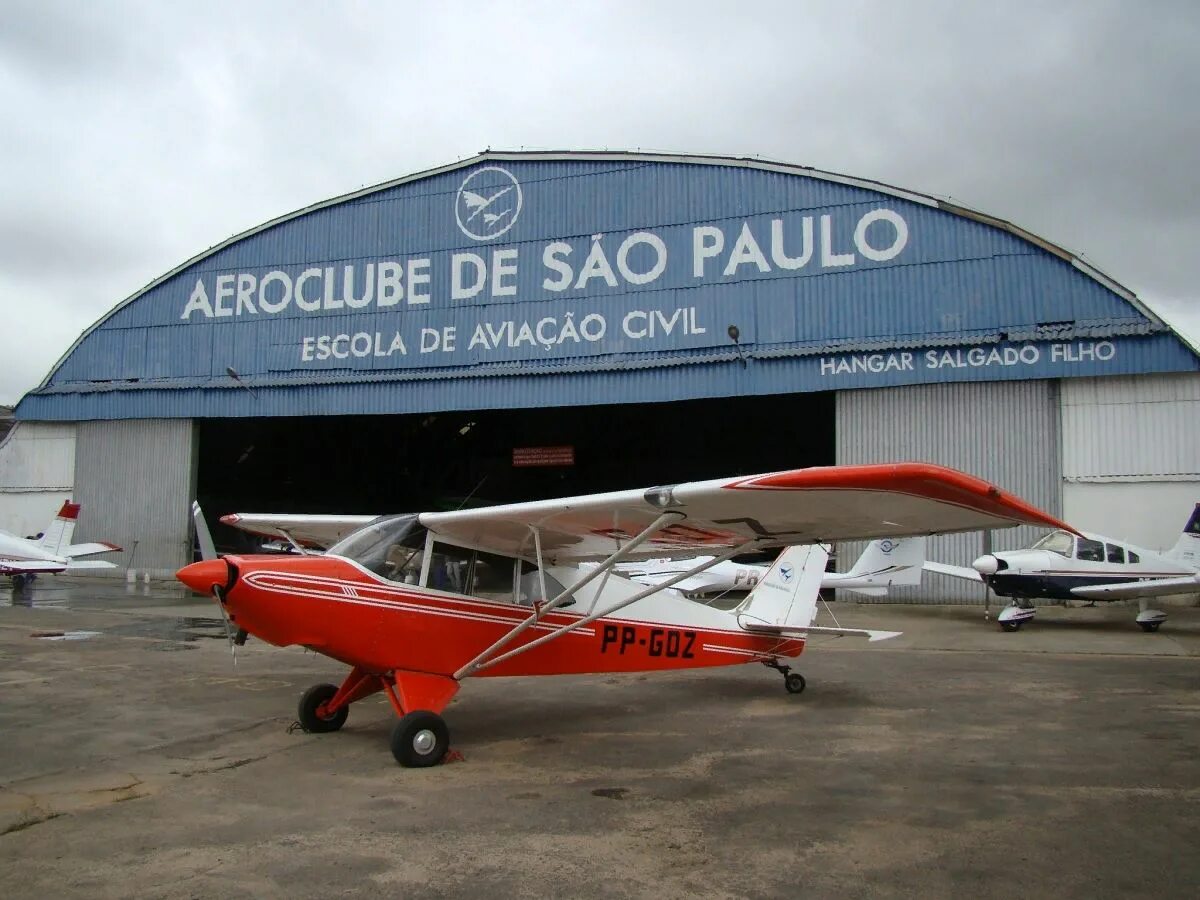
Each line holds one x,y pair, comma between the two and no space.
986,565
202,577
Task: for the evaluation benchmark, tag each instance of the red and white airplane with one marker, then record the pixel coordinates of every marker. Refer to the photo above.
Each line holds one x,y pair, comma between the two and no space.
414,604
23,558
1071,565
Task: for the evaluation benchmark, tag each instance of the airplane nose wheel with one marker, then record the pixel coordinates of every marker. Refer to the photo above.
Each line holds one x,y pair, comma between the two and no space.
793,681
420,739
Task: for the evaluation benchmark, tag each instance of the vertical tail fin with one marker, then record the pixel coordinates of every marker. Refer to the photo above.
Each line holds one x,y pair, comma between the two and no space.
887,562
58,533
786,597
1187,548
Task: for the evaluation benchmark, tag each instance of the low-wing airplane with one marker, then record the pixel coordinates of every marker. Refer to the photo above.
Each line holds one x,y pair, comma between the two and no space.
883,563
1067,565
414,604
23,558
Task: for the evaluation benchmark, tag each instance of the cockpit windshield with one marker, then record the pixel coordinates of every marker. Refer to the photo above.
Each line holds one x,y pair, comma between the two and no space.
1060,542
390,546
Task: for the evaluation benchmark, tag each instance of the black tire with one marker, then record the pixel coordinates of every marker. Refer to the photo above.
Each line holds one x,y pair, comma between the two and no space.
794,682
1011,626
307,711
1149,627
420,739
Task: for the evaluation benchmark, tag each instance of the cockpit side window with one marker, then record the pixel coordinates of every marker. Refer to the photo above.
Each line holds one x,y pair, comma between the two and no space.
1087,549
529,586
475,573
1114,553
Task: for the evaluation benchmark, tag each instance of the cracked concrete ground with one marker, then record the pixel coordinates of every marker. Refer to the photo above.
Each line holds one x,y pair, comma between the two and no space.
956,760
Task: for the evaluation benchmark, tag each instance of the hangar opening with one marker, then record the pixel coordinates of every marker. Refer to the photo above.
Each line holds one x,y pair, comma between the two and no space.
434,461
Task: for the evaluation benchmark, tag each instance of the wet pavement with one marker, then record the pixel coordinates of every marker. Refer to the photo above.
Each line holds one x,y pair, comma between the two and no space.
137,760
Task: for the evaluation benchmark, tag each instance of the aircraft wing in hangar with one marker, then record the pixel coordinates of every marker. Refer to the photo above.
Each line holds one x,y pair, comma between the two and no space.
801,506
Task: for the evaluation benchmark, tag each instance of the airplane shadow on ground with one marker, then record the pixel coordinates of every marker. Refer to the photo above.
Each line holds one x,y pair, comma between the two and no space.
629,705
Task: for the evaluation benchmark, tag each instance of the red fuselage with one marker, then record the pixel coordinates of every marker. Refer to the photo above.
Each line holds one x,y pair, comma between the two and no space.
339,609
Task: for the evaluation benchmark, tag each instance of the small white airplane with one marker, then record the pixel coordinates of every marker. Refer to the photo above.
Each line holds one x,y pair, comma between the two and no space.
891,561
24,558
1086,566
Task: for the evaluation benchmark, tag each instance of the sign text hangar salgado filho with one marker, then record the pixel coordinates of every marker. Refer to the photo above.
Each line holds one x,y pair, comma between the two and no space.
483,296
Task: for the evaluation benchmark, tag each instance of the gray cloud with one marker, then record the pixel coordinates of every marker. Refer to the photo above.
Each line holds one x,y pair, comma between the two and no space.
141,133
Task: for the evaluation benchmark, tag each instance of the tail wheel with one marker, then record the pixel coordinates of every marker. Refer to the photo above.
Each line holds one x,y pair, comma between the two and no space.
794,682
420,739
311,701
1149,627
1011,626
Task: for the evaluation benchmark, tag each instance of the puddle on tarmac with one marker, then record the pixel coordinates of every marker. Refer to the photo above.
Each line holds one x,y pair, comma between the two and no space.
64,635
184,628
173,632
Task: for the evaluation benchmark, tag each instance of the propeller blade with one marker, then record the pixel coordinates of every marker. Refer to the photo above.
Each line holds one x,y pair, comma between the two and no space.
208,549
233,644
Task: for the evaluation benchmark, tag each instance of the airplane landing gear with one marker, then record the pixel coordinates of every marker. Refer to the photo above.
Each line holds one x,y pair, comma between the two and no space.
313,710
1149,619
420,739
793,682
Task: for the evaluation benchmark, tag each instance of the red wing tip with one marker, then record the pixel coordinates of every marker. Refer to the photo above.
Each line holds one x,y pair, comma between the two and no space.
112,546
231,519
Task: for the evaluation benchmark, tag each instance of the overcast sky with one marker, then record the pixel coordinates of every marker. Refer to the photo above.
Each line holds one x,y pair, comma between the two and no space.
137,134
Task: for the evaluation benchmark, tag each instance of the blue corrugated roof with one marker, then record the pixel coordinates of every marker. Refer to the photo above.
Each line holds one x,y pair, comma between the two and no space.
528,267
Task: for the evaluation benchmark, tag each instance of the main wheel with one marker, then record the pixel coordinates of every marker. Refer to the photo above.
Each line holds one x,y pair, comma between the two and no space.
420,739
1149,626
1011,626
307,711
794,682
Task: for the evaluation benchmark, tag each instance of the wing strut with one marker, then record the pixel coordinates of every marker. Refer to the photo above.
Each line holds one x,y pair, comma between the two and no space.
538,611
482,661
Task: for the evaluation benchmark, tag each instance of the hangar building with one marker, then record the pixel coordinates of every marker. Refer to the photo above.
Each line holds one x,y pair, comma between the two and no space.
524,325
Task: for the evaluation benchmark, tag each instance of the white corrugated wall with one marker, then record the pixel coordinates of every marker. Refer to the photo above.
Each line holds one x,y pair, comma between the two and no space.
1131,455
136,480
1005,432
37,473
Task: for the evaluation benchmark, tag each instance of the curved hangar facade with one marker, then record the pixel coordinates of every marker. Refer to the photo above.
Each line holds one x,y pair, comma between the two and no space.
619,319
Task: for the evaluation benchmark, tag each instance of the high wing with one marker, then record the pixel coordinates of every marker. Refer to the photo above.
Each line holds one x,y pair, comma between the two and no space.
802,506
1156,587
309,530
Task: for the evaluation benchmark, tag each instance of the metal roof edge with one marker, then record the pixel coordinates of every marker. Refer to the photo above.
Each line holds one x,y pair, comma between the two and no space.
599,155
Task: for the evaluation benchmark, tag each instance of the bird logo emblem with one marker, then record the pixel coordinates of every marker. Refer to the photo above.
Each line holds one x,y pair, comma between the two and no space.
488,203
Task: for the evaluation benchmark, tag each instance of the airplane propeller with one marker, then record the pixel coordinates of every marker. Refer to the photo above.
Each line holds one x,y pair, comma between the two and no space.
208,552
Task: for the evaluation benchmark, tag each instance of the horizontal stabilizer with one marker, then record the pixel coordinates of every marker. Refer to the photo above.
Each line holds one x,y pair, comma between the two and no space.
89,549
88,565
870,633
1159,587
952,571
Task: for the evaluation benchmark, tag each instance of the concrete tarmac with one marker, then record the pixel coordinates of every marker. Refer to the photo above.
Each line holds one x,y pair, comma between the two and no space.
1063,760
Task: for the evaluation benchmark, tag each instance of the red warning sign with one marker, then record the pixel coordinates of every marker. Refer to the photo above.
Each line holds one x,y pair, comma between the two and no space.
543,456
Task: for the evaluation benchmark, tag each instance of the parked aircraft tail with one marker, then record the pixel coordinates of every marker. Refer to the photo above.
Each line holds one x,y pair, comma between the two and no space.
786,597
57,536
785,600
884,563
1187,548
